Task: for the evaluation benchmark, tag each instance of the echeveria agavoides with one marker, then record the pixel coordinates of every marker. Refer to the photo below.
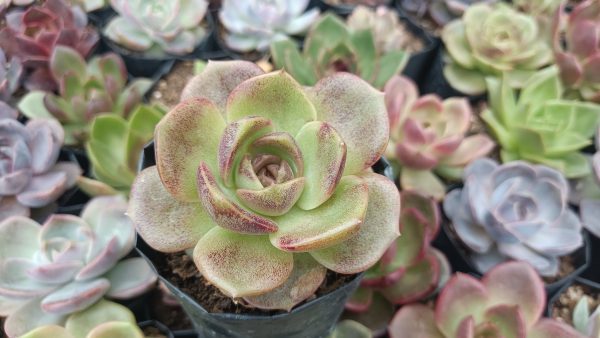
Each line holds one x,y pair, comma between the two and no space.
428,134
539,125
30,176
507,302
157,26
32,34
514,211
332,46
491,39
87,89
68,264
252,25
577,51
269,182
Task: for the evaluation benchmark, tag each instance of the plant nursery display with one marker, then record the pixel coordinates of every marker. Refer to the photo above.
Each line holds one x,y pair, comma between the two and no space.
299,169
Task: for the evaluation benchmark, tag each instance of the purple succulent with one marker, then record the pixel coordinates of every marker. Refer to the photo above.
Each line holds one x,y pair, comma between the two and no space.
514,211
30,177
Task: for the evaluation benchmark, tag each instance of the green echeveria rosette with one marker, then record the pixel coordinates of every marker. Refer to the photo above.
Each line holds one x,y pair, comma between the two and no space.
492,39
269,182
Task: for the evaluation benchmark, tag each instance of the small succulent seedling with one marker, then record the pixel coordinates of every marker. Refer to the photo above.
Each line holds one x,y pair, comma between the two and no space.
331,46
33,34
114,148
514,211
269,182
483,43
252,25
539,125
155,27
104,319
29,172
585,323
576,51
507,302
68,264
86,90
428,135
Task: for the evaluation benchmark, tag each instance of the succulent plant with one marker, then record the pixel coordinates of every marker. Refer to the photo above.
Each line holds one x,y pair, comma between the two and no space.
514,211
156,27
370,3
587,324
10,76
428,135
255,24
540,126
86,90
104,319
33,34
4,4
484,43
90,5
350,329
507,302
576,51
441,12
330,47
68,264
389,33
269,182
30,177
409,271
586,194
114,149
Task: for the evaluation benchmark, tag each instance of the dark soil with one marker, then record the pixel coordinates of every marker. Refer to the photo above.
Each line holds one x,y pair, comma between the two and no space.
563,308
179,269
152,332
565,268
169,88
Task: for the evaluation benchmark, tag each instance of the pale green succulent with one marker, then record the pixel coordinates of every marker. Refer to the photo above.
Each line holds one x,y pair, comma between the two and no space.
540,126
492,39
269,182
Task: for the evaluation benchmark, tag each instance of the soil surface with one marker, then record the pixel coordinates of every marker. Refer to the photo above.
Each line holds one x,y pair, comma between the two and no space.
563,308
180,270
169,88
152,332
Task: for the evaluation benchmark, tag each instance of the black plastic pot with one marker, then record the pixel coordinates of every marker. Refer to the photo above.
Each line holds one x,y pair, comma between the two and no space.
595,287
458,256
157,325
100,17
592,273
419,63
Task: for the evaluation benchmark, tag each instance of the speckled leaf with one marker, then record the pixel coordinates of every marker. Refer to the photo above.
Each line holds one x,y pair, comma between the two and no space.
218,79
155,212
225,212
357,112
275,96
241,265
281,144
81,323
130,278
234,143
305,279
275,200
325,153
417,282
415,321
378,230
188,134
333,222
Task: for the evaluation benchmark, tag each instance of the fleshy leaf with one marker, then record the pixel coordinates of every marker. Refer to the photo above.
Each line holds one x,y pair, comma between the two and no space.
275,200
334,221
28,317
81,323
417,282
116,329
415,321
18,237
241,265
75,296
129,278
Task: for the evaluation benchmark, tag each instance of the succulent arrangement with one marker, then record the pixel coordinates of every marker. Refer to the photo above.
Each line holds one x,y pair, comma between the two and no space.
584,322
105,319
68,264
86,90
114,149
331,46
482,44
507,302
33,34
514,211
540,125
411,269
268,182
252,25
440,12
29,173
155,27
576,51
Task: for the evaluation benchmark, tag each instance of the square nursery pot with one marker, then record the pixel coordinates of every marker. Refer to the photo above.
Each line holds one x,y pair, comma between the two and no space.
140,64
592,273
314,318
591,288
153,328
458,256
